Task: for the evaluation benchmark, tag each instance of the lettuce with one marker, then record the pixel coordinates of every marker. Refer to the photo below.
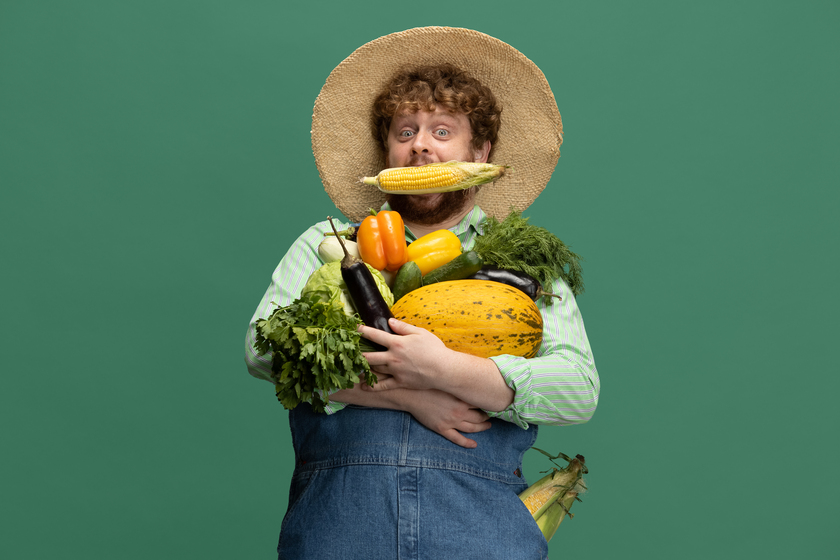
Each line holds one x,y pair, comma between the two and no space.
327,284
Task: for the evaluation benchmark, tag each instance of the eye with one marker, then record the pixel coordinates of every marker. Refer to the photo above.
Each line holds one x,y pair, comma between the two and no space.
442,132
406,133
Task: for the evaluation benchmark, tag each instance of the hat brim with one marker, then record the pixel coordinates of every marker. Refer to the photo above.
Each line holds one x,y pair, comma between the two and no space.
531,130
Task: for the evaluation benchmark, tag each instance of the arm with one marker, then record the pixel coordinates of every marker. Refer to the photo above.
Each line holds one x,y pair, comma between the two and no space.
559,386
417,359
438,411
287,281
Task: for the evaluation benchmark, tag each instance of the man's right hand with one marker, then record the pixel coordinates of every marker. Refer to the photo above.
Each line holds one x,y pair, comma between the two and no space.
438,411
447,415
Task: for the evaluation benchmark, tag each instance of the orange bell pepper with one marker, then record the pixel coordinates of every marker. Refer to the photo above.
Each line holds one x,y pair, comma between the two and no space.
434,250
381,240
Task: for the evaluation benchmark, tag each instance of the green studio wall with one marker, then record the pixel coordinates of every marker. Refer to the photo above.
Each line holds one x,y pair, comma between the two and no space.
155,164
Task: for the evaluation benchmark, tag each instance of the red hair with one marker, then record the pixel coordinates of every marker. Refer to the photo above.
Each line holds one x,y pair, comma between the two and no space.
426,88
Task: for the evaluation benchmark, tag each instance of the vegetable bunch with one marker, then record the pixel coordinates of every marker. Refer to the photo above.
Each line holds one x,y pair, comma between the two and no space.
315,349
514,244
314,342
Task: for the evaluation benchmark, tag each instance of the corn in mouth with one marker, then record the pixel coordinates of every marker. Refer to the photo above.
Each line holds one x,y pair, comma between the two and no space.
435,177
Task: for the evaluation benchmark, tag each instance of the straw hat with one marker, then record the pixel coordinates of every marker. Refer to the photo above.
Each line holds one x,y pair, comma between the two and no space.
529,138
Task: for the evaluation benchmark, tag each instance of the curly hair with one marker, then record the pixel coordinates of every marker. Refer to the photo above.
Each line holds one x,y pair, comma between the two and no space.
425,88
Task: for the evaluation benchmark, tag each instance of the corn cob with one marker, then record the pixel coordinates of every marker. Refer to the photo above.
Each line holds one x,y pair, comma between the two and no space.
549,499
544,492
549,521
434,177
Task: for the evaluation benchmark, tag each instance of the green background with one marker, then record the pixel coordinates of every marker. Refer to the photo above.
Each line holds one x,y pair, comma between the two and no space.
155,163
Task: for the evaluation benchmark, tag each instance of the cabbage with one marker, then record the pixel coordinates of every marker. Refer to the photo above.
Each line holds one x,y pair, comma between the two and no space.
329,286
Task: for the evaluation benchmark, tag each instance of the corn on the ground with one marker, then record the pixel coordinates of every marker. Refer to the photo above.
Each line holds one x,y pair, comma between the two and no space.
434,177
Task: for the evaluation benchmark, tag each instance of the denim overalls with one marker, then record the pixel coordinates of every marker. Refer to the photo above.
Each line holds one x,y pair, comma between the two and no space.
375,484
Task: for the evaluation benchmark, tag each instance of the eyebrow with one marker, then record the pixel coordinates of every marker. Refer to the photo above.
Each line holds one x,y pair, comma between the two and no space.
446,118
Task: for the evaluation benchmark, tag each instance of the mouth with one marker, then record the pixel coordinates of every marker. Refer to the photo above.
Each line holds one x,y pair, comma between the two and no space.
419,160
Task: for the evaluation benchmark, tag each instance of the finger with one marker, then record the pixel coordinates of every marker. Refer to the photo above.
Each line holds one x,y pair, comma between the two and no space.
380,377
384,383
472,428
375,335
403,328
476,416
375,359
459,439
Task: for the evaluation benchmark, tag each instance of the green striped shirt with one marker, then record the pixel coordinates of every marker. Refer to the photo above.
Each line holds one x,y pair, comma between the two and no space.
558,386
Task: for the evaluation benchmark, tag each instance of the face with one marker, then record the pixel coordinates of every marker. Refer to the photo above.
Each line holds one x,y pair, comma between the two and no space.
430,137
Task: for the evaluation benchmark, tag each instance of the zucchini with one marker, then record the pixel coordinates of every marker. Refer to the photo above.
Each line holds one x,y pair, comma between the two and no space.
408,279
458,268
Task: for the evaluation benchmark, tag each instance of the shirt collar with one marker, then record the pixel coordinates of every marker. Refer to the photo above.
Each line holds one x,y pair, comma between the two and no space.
472,221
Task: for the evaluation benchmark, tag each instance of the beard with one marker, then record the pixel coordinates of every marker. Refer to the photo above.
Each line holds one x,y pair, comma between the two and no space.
431,209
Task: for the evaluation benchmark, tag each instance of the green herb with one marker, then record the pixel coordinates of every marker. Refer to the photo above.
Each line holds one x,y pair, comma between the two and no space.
515,244
315,349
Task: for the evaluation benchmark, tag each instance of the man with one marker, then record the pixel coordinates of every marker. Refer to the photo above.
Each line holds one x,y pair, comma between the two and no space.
388,472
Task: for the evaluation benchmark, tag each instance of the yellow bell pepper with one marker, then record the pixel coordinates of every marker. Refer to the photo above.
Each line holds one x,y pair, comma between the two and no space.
434,250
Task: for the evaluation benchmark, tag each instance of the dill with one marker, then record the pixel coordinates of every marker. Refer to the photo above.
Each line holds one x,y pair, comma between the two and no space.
515,244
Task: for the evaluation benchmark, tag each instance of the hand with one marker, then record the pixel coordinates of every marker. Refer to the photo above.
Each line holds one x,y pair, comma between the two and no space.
447,415
412,357
441,412
415,358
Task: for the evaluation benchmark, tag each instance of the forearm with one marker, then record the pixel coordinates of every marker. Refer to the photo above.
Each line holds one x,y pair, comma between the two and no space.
474,380
561,384
549,390
416,359
440,412
398,399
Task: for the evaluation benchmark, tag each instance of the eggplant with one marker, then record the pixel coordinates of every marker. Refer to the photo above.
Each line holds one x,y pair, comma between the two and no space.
514,278
364,292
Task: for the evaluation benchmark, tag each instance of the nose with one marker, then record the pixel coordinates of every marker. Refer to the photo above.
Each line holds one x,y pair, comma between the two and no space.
421,143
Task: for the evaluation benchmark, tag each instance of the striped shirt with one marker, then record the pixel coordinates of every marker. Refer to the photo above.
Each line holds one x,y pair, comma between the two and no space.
558,386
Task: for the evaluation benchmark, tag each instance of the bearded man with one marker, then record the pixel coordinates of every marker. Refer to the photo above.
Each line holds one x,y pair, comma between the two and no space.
427,462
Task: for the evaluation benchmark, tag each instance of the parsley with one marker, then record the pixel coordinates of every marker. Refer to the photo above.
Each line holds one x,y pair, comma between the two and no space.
315,349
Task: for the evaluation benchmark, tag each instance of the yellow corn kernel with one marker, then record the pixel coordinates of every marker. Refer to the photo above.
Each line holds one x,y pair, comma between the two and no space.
542,499
415,178
543,493
434,177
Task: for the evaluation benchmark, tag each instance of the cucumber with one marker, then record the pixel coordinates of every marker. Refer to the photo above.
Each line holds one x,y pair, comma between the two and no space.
408,279
465,264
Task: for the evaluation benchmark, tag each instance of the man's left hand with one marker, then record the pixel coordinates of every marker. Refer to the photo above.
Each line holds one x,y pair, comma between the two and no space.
415,358
412,358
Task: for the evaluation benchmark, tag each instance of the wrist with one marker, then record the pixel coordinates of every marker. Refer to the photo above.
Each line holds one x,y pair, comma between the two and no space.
477,381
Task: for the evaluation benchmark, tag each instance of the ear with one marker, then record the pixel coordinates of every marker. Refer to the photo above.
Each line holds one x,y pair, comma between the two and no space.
480,156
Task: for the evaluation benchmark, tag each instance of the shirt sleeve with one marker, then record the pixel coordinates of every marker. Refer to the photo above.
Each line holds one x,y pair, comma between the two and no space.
287,281
560,384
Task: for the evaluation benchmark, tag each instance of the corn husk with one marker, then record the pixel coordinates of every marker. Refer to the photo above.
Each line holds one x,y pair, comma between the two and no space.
550,498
